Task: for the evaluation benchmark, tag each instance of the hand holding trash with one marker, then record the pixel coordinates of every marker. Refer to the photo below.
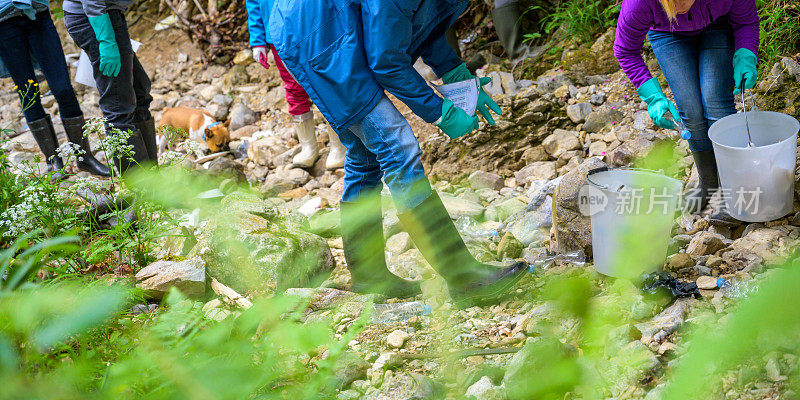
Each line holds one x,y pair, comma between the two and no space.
657,104
260,55
455,122
485,102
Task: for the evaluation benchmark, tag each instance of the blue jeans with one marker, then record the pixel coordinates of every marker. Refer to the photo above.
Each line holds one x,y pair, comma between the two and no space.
21,38
125,98
382,145
699,70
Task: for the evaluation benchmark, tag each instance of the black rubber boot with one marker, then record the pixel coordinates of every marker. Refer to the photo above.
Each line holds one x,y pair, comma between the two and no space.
74,129
506,23
45,136
364,249
470,282
125,164
148,131
696,199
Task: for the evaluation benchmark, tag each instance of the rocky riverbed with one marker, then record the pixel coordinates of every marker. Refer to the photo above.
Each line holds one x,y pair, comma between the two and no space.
511,190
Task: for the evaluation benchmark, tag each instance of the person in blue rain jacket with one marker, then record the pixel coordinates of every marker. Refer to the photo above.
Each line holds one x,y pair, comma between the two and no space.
347,54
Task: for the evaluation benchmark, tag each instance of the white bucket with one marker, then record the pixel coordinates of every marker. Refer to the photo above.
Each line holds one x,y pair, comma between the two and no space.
757,183
632,215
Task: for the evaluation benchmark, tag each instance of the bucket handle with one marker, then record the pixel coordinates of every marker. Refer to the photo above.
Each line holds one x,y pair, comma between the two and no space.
605,168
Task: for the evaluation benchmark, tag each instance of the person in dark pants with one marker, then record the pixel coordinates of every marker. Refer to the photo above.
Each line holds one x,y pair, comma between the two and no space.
100,29
26,30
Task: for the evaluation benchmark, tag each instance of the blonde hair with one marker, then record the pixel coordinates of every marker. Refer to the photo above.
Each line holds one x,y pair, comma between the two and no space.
670,8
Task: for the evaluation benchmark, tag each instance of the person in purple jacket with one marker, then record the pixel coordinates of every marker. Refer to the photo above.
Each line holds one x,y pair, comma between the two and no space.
707,52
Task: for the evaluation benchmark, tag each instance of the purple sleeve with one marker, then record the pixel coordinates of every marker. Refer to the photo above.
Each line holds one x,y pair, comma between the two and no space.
743,18
635,20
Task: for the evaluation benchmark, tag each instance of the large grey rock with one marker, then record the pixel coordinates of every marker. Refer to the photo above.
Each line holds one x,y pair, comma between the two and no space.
227,168
188,276
399,243
298,176
348,368
260,249
629,151
484,389
528,226
561,141
274,185
598,119
264,150
642,121
597,98
485,180
770,244
549,83
495,87
408,386
510,86
540,170
461,207
502,209
573,230
579,111
792,67
241,116
223,100
410,265
218,111
705,243
631,364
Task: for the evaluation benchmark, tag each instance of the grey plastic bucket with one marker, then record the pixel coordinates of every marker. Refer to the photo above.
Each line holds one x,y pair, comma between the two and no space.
629,240
757,183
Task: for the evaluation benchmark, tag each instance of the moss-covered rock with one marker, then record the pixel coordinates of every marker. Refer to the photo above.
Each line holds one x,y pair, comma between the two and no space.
261,249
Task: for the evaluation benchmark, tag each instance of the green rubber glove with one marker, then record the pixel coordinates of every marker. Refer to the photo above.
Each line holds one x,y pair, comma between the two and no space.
658,104
455,122
461,73
110,61
745,69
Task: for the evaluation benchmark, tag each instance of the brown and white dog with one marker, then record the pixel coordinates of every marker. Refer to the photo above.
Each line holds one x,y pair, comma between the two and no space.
198,124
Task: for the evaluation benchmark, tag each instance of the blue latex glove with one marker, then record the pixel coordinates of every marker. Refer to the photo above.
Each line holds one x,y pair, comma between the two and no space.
455,122
461,73
745,69
657,104
110,60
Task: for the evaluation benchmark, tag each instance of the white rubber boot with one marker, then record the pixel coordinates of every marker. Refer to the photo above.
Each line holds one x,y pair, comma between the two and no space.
307,136
335,158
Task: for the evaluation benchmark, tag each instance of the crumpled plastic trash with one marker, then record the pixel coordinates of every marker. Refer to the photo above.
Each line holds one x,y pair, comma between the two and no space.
657,281
736,288
540,258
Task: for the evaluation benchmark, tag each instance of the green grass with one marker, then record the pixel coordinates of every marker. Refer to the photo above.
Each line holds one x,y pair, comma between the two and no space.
780,30
580,19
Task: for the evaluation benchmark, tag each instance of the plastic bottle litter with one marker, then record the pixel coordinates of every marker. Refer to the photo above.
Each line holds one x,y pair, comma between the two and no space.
736,287
398,312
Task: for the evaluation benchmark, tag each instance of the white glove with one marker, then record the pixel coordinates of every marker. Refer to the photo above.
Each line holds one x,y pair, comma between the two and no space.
260,55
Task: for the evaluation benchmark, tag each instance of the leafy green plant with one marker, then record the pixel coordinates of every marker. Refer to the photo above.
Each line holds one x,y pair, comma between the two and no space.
20,262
